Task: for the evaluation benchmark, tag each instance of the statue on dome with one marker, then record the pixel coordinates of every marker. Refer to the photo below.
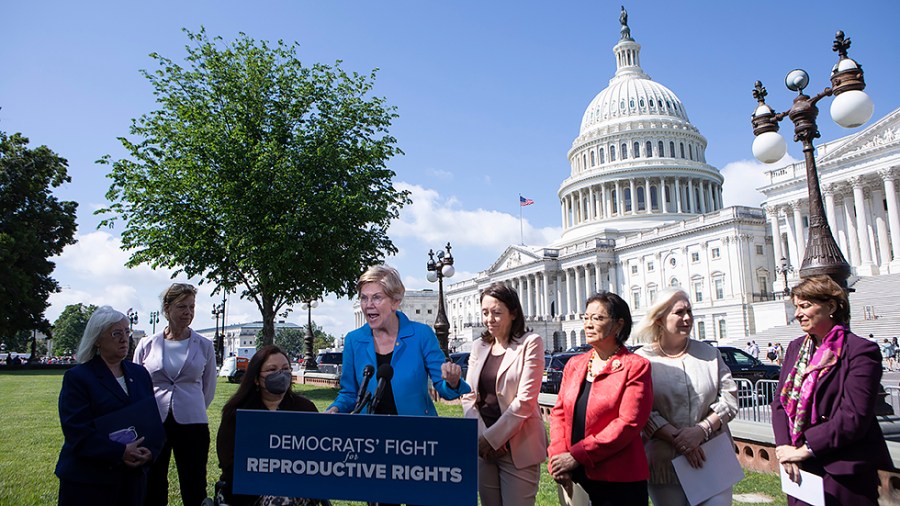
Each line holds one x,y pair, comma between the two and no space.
623,18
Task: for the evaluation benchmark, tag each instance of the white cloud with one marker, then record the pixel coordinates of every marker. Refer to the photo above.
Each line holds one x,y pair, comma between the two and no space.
92,271
743,177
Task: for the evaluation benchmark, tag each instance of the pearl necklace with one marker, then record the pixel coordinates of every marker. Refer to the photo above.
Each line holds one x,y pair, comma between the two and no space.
674,355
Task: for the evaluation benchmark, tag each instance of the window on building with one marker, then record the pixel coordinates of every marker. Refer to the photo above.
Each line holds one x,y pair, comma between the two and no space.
654,198
627,193
637,150
763,282
593,161
649,148
650,267
602,157
698,291
583,161
695,257
659,149
612,153
674,282
631,103
715,253
681,145
429,311
722,334
641,201
672,149
720,287
651,294
418,311
634,269
701,331
624,151
642,102
759,249
673,262
636,298
691,151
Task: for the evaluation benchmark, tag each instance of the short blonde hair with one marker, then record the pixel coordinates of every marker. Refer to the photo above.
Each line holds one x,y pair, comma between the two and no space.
387,277
173,293
650,328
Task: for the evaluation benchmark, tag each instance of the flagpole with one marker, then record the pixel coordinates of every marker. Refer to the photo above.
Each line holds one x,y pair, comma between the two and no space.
521,227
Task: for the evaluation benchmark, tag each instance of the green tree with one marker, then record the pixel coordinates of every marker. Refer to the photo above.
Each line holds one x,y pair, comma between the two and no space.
34,226
292,340
69,327
258,173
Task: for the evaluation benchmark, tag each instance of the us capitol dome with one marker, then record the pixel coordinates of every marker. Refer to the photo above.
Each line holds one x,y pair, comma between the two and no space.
637,162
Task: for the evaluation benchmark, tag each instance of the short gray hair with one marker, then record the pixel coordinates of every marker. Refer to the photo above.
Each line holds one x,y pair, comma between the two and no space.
101,320
387,277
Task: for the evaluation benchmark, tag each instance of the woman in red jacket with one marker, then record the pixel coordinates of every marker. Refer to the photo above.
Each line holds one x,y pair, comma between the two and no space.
603,403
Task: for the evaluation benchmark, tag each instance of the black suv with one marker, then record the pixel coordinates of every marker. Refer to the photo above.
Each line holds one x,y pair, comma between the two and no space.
553,371
743,365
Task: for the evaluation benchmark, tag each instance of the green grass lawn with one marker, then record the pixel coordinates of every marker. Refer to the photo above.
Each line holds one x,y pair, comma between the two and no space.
30,439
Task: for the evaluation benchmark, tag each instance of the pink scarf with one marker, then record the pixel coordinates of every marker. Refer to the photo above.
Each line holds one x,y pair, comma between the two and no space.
797,392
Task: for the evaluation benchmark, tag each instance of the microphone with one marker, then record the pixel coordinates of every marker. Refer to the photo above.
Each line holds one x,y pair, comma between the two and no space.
367,372
385,373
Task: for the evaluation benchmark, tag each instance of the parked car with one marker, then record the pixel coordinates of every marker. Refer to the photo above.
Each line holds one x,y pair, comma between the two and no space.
743,365
461,358
330,361
553,371
233,368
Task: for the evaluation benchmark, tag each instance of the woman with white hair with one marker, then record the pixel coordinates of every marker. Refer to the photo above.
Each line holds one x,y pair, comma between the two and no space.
694,396
94,465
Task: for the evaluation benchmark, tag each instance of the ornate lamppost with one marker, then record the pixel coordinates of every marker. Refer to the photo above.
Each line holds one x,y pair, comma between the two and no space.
437,271
218,311
784,269
851,108
154,319
132,321
309,360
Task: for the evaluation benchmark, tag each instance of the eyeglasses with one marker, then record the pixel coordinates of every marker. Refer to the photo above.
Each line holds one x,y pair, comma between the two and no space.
594,318
118,334
376,299
270,371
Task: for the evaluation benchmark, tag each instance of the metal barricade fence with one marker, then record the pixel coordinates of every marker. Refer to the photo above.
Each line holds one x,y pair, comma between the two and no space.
754,400
893,398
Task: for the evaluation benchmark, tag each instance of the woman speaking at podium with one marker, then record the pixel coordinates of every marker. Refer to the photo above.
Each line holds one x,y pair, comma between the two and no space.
389,337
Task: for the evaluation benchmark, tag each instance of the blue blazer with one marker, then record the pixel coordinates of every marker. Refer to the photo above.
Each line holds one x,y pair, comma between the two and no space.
417,359
88,392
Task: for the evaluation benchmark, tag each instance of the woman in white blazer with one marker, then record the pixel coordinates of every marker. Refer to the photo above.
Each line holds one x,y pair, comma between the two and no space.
182,365
505,370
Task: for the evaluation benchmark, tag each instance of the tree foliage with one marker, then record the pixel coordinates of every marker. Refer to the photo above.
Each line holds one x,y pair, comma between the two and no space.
69,327
292,340
257,172
34,226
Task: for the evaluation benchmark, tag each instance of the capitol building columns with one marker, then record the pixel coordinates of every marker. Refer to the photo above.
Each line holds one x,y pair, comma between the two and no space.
889,178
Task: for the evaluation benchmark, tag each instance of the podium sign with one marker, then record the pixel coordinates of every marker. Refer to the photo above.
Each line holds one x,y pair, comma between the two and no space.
394,459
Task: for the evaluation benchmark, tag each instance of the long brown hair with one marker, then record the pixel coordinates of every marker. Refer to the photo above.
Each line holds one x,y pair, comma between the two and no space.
248,389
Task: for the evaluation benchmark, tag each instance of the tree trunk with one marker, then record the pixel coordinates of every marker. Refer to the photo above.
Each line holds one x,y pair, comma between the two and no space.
268,314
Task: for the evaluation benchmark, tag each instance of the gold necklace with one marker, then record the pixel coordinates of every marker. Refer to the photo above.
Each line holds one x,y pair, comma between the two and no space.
590,371
675,355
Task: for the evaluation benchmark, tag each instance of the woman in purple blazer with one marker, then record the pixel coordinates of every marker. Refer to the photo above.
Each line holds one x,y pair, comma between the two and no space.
182,364
823,414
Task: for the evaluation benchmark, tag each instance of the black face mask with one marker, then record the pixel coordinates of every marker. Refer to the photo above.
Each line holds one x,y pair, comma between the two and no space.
278,382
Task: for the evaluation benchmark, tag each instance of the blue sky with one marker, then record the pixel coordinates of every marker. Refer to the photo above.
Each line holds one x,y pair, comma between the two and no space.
490,97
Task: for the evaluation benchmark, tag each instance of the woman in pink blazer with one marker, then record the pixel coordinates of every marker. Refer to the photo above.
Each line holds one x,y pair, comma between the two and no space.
182,364
604,401
505,370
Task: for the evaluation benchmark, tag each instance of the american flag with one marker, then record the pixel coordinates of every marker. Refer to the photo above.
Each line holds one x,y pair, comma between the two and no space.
525,202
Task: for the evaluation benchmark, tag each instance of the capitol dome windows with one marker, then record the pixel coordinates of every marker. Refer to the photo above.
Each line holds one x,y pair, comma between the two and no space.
691,151
593,161
612,153
681,145
660,151
624,151
649,152
637,149
672,149
602,159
